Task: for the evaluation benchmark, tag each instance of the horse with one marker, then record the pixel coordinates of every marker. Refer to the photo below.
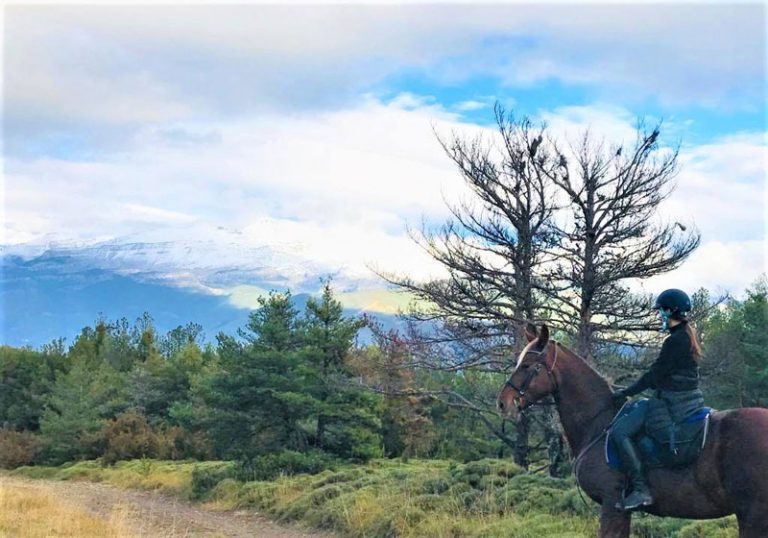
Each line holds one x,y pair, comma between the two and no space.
729,477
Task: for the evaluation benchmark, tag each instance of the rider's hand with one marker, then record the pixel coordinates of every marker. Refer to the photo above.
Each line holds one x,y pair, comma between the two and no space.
619,396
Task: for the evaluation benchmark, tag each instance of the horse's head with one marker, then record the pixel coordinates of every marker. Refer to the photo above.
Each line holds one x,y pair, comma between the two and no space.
533,377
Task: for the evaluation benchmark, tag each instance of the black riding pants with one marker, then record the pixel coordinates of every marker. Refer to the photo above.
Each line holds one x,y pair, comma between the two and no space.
630,424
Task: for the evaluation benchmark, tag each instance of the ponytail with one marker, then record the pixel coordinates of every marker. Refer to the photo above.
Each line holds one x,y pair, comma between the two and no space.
695,346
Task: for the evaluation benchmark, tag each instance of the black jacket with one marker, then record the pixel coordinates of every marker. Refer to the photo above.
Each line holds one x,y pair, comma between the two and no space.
675,369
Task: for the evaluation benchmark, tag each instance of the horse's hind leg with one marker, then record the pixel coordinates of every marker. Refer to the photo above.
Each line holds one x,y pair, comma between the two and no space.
752,531
753,523
613,523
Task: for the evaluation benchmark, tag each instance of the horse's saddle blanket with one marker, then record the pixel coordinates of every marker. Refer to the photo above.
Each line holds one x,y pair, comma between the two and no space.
675,445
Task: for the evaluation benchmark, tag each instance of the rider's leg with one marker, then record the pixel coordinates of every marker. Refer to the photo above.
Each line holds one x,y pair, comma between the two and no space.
622,433
639,493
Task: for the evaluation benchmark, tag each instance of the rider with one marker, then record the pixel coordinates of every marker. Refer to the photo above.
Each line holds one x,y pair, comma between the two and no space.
675,372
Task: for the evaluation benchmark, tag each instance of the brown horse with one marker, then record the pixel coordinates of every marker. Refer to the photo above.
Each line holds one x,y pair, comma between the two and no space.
730,476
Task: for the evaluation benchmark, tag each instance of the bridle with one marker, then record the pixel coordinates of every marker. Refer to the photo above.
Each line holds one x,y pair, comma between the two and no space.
534,371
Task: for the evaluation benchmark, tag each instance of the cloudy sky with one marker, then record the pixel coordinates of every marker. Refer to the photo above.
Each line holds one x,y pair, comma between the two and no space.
309,130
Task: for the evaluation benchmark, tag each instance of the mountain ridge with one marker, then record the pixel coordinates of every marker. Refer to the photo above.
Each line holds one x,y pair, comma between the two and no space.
54,295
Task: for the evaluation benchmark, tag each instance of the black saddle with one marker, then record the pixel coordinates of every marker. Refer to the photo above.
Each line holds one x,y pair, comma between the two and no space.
665,442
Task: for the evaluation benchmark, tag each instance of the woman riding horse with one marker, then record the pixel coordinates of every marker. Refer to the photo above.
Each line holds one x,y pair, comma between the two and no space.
675,376
730,475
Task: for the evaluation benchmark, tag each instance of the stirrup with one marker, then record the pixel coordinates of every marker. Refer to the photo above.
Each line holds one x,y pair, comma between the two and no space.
635,500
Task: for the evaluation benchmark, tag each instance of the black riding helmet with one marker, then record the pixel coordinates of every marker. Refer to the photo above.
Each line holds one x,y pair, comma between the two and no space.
674,300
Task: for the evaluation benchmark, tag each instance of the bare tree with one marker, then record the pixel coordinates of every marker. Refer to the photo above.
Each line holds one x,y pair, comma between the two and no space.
492,247
609,236
492,250
550,233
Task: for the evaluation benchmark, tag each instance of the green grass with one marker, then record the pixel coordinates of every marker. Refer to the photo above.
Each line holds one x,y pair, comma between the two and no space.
385,498
422,498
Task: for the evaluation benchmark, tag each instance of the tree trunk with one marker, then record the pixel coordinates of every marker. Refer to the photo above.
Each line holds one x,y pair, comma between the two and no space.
554,439
521,441
584,337
522,433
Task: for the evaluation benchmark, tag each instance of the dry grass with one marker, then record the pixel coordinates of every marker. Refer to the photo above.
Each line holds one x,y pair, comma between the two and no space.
415,499
173,478
33,511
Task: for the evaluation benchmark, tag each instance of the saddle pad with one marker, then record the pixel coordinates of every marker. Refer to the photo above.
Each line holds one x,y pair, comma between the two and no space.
701,415
651,451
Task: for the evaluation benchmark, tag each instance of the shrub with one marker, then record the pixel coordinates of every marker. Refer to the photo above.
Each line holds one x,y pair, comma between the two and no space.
129,437
18,448
436,486
644,526
176,443
341,476
227,493
205,477
718,528
486,472
287,462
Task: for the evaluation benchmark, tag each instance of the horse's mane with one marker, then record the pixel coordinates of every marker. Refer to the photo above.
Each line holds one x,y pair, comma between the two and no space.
583,362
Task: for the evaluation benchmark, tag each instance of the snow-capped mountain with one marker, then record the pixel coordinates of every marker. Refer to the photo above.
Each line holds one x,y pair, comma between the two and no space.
206,259
53,289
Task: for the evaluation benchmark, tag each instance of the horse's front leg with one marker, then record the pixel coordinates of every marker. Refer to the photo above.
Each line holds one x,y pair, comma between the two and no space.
614,523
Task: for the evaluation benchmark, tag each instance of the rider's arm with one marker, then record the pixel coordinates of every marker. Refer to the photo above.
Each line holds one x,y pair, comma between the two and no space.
673,348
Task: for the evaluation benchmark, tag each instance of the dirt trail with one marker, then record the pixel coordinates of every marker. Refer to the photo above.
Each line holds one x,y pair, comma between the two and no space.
155,515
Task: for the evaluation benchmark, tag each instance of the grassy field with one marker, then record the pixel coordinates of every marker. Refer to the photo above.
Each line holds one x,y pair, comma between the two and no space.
388,498
170,477
33,511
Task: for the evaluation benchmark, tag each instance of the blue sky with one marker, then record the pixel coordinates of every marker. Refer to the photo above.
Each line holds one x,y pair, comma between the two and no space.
307,131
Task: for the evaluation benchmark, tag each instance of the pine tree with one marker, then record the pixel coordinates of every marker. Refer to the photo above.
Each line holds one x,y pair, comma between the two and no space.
82,397
347,421
71,421
735,345
257,400
26,379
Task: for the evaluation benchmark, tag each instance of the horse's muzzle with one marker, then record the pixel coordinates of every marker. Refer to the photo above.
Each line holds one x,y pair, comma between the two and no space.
512,410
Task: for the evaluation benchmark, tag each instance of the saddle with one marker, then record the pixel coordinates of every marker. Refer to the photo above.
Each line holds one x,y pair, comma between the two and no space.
666,442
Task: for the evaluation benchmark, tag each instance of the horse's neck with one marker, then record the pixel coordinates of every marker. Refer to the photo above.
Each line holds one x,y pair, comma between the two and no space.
584,401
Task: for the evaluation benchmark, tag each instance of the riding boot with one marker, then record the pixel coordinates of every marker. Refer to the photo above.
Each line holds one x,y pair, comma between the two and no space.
638,492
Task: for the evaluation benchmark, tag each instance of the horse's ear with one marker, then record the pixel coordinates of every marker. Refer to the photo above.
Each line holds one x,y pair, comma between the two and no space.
531,333
543,337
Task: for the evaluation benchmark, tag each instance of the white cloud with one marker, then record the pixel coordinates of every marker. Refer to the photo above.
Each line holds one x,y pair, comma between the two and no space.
471,105
73,65
331,192
159,215
718,266
721,187
614,124
345,249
